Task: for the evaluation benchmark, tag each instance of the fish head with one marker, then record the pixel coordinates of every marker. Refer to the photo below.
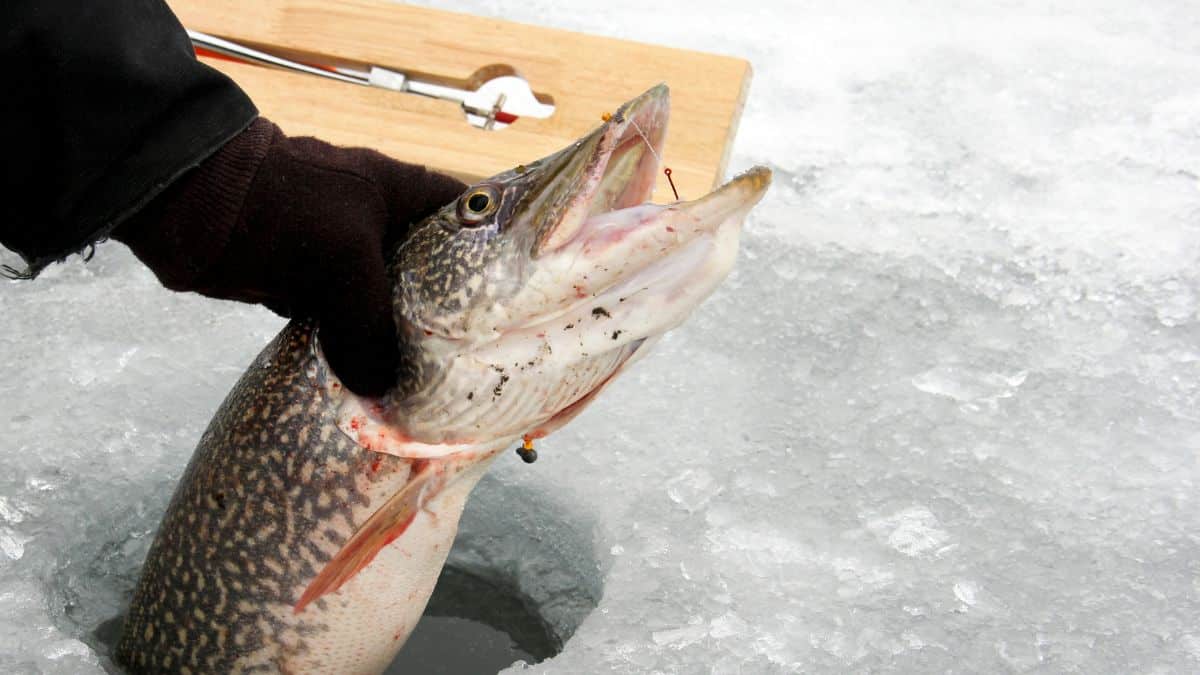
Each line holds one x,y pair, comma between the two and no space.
493,260
520,300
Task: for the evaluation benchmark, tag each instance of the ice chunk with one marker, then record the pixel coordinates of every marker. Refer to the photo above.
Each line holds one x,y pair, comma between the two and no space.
914,531
12,543
965,592
678,638
965,384
692,489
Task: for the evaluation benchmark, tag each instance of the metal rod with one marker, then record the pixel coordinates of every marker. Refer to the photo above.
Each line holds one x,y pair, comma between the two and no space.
249,54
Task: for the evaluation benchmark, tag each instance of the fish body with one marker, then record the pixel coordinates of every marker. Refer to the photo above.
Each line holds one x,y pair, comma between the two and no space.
273,492
311,524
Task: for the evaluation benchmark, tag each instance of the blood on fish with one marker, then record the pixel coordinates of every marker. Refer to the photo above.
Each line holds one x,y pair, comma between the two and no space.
365,441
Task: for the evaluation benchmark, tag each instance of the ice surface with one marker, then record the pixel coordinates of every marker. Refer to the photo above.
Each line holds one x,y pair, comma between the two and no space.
943,415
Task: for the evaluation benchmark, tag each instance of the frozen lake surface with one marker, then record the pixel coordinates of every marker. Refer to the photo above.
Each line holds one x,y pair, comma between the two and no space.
943,416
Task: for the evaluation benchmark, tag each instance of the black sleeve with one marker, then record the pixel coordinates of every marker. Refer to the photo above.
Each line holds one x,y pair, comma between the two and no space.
104,104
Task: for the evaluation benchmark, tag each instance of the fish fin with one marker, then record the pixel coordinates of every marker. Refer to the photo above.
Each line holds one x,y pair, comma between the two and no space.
382,528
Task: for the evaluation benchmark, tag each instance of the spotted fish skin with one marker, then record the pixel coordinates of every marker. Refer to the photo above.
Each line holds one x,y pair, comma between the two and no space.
311,524
272,493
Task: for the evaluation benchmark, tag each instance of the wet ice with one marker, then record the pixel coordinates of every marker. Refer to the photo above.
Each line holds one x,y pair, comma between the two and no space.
941,416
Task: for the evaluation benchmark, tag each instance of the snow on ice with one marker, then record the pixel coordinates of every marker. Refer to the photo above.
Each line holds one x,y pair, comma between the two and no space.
942,416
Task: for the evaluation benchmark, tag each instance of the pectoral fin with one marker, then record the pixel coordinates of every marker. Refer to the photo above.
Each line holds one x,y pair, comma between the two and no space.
382,528
427,479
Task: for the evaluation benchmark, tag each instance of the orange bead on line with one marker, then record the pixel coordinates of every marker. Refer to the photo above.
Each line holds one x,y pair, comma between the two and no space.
526,451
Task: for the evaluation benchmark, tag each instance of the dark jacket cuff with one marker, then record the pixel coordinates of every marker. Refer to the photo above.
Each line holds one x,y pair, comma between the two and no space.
185,230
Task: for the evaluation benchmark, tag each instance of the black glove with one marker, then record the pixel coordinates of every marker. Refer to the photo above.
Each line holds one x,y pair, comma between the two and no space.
300,226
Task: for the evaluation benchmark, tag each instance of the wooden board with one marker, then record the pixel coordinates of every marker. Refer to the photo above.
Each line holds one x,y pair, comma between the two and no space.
585,76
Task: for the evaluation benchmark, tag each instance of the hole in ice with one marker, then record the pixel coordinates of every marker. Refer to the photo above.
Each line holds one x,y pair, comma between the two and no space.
474,625
522,576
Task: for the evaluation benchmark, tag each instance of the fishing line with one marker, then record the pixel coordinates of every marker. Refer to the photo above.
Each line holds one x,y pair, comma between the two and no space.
526,451
666,169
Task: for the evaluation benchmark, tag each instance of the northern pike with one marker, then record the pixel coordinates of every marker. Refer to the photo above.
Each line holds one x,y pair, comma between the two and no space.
310,525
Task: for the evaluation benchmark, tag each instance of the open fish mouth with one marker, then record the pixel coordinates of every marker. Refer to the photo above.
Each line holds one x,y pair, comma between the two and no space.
578,274
613,168
610,253
635,273
616,270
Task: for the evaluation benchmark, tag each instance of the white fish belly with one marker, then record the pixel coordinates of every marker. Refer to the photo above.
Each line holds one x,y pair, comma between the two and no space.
370,617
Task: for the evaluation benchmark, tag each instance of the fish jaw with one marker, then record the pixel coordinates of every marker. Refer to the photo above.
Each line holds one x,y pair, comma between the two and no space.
455,274
512,326
636,274
613,168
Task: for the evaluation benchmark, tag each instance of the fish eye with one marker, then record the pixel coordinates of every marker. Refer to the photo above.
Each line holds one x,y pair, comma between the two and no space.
478,204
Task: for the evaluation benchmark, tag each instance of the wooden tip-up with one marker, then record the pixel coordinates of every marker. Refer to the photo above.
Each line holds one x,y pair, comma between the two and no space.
420,64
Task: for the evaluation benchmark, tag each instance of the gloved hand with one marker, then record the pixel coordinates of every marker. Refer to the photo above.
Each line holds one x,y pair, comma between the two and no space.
300,226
